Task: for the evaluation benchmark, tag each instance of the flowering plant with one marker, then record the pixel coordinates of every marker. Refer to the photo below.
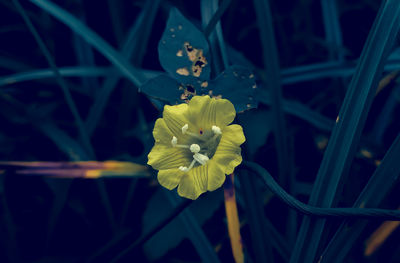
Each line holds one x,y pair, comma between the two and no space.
195,147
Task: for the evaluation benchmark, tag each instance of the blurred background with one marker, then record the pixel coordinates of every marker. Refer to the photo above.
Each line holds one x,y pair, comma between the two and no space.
44,117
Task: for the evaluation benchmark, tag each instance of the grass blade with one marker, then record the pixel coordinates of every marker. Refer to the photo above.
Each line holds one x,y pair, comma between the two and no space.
299,110
379,236
333,34
211,13
133,43
48,73
346,133
326,70
272,77
379,185
233,219
196,234
67,95
93,39
255,216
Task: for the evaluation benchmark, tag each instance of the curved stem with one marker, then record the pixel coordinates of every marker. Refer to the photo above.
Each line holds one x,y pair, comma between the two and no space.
382,214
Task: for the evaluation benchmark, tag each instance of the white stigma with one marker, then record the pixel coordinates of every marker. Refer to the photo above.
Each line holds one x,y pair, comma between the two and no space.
185,128
194,148
216,129
198,157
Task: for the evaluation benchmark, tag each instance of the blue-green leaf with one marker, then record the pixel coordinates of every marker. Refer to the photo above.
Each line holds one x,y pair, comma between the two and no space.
236,84
189,223
346,133
183,50
164,88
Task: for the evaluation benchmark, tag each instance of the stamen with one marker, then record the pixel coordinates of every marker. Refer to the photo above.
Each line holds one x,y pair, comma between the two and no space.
216,129
185,128
194,148
183,168
186,169
174,143
191,164
185,131
201,158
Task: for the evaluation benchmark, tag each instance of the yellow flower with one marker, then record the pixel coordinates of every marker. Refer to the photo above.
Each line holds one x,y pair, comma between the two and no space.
194,146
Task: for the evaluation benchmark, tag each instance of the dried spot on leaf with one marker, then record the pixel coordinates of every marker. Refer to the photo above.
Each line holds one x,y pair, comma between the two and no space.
204,84
196,57
180,27
251,76
188,92
254,86
179,53
210,92
183,71
190,51
172,29
173,35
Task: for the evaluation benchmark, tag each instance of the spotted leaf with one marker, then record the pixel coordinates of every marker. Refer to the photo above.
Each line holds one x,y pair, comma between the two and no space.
183,50
236,84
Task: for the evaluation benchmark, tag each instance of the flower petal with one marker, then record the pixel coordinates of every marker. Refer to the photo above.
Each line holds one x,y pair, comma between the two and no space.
194,182
216,176
166,157
206,112
170,178
175,117
161,132
228,153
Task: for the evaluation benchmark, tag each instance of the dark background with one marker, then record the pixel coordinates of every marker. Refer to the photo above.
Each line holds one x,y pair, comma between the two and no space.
65,220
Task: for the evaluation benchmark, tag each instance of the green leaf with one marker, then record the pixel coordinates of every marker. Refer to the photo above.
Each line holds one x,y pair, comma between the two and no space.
163,88
256,131
189,224
48,73
183,51
93,39
333,34
299,110
379,185
255,214
236,84
346,133
135,43
273,79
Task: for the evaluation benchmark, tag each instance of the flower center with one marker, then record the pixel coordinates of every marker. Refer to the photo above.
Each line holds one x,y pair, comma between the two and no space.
202,145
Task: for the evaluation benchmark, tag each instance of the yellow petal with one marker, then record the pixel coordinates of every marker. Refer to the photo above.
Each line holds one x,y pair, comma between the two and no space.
234,133
161,132
170,178
166,157
206,112
194,182
216,176
228,153
175,117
